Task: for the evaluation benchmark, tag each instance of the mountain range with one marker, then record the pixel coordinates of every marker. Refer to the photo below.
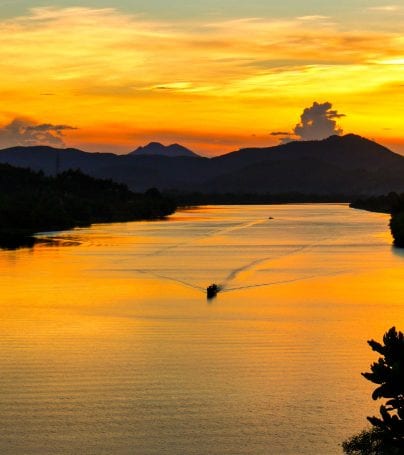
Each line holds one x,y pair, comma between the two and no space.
343,165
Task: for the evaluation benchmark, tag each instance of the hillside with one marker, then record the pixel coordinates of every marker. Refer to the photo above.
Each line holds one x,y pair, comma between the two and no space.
345,165
31,202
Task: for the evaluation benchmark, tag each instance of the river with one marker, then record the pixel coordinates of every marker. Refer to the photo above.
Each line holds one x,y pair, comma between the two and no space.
109,346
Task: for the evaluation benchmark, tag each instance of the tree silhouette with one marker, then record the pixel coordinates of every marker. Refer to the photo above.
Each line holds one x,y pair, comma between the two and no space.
31,202
397,228
387,434
388,372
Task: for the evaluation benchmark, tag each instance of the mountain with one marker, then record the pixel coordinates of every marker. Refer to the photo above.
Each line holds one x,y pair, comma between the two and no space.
139,172
155,148
337,165
349,151
348,165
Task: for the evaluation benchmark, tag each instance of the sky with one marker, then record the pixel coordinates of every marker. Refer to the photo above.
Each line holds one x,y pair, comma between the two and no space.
215,75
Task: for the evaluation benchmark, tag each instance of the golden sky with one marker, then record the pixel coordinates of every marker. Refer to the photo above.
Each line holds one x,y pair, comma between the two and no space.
210,82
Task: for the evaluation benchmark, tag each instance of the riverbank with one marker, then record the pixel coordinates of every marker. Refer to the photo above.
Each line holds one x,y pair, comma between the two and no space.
391,203
31,202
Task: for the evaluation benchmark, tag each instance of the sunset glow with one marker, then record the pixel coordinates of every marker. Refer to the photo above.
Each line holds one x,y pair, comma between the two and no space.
124,77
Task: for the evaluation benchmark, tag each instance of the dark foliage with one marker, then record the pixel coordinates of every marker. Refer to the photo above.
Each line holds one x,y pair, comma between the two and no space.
387,435
32,202
369,442
388,373
199,198
392,203
397,228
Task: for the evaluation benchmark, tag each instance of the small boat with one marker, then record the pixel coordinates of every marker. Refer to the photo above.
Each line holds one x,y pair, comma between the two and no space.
212,290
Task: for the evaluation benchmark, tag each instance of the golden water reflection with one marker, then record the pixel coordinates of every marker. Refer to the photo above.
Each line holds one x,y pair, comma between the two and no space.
109,346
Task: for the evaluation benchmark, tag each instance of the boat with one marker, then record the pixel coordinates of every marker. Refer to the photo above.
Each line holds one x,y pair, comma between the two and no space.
212,290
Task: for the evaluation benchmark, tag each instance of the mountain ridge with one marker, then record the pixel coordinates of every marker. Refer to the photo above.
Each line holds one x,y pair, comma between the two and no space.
347,164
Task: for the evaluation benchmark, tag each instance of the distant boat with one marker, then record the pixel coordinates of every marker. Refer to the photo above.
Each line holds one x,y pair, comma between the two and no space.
212,290
270,218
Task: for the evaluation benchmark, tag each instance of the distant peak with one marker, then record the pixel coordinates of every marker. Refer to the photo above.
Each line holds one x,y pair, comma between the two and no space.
156,148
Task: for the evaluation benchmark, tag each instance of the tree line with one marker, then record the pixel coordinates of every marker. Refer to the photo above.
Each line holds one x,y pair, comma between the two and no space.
392,203
31,202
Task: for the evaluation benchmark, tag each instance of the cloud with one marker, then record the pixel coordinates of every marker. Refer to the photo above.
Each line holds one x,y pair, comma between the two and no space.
113,69
388,8
117,49
318,121
25,132
286,139
314,17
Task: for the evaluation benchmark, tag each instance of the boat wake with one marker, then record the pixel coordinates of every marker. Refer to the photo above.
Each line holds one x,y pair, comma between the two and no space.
204,236
249,266
292,280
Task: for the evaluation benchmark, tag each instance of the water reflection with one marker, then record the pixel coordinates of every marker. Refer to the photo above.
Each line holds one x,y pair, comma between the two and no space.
15,243
110,347
398,251
18,243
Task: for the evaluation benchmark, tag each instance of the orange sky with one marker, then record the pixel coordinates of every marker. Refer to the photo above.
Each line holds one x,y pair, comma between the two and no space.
213,84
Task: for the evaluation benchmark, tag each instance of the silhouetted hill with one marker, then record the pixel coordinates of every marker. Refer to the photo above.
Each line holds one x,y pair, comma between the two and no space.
139,172
155,148
347,152
345,165
51,160
349,165
301,175
32,202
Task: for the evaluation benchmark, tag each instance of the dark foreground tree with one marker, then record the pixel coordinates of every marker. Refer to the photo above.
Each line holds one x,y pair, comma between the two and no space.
387,435
397,228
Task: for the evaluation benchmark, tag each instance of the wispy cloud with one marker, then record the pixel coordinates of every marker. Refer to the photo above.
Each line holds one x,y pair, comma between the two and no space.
77,46
25,132
314,17
117,70
388,8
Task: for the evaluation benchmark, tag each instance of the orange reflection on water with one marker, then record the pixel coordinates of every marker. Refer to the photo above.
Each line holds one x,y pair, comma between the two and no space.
111,343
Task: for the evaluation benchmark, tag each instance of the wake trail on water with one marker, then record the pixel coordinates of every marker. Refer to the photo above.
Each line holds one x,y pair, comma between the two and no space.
207,235
292,280
250,266
271,283
232,275
165,277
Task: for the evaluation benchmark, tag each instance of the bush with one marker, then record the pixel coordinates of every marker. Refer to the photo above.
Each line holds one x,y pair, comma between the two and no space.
387,435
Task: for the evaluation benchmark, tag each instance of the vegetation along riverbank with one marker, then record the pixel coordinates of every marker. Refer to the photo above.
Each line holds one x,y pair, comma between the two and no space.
31,202
392,203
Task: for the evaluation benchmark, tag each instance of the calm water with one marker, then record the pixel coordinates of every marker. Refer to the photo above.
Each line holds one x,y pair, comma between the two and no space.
109,346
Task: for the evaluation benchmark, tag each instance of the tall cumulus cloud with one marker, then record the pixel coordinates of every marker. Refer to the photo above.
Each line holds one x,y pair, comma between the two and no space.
24,132
318,121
